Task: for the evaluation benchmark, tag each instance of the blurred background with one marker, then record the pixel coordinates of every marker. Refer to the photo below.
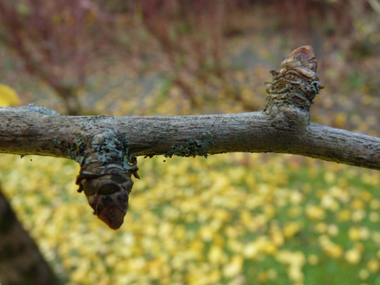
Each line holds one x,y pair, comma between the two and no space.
228,219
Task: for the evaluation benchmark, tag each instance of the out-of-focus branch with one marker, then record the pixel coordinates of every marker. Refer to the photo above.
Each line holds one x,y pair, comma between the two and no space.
43,68
375,5
191,37
21,262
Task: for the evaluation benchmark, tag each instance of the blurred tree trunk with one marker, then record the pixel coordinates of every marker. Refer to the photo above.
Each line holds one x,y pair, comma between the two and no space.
21,261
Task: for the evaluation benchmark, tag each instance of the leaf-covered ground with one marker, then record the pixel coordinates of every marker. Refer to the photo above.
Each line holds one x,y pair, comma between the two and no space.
228,219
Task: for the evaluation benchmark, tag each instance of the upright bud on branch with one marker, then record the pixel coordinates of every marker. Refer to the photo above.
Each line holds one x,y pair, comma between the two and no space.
295,84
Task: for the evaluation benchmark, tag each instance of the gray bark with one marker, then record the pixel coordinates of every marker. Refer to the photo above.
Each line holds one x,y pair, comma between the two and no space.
28,131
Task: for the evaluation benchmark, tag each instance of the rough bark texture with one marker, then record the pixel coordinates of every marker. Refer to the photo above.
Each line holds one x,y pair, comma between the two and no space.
21,263
24,131
106,146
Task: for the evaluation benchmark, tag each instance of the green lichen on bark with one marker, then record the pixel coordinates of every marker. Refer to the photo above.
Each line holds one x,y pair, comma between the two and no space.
113,147
193,148
42,110
76,150
90,122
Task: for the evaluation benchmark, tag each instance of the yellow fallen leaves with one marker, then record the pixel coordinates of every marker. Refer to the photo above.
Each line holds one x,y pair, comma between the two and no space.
291,228
373,265
353,255
328,202
294,212
363,274
315,212
329,177
8,96
321,228
234,267
189,222
374,204
329,247
216,255
357,204
295,260
313,259
358,233
344,215
261,246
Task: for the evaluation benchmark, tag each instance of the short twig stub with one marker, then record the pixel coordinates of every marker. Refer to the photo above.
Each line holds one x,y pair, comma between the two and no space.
295,84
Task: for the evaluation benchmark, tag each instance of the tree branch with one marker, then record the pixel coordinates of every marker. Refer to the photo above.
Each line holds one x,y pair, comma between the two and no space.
106,146
25,131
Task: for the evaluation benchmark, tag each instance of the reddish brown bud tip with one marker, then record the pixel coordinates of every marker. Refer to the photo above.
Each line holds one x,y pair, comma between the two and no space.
302,53
112,216
302,57
111,209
